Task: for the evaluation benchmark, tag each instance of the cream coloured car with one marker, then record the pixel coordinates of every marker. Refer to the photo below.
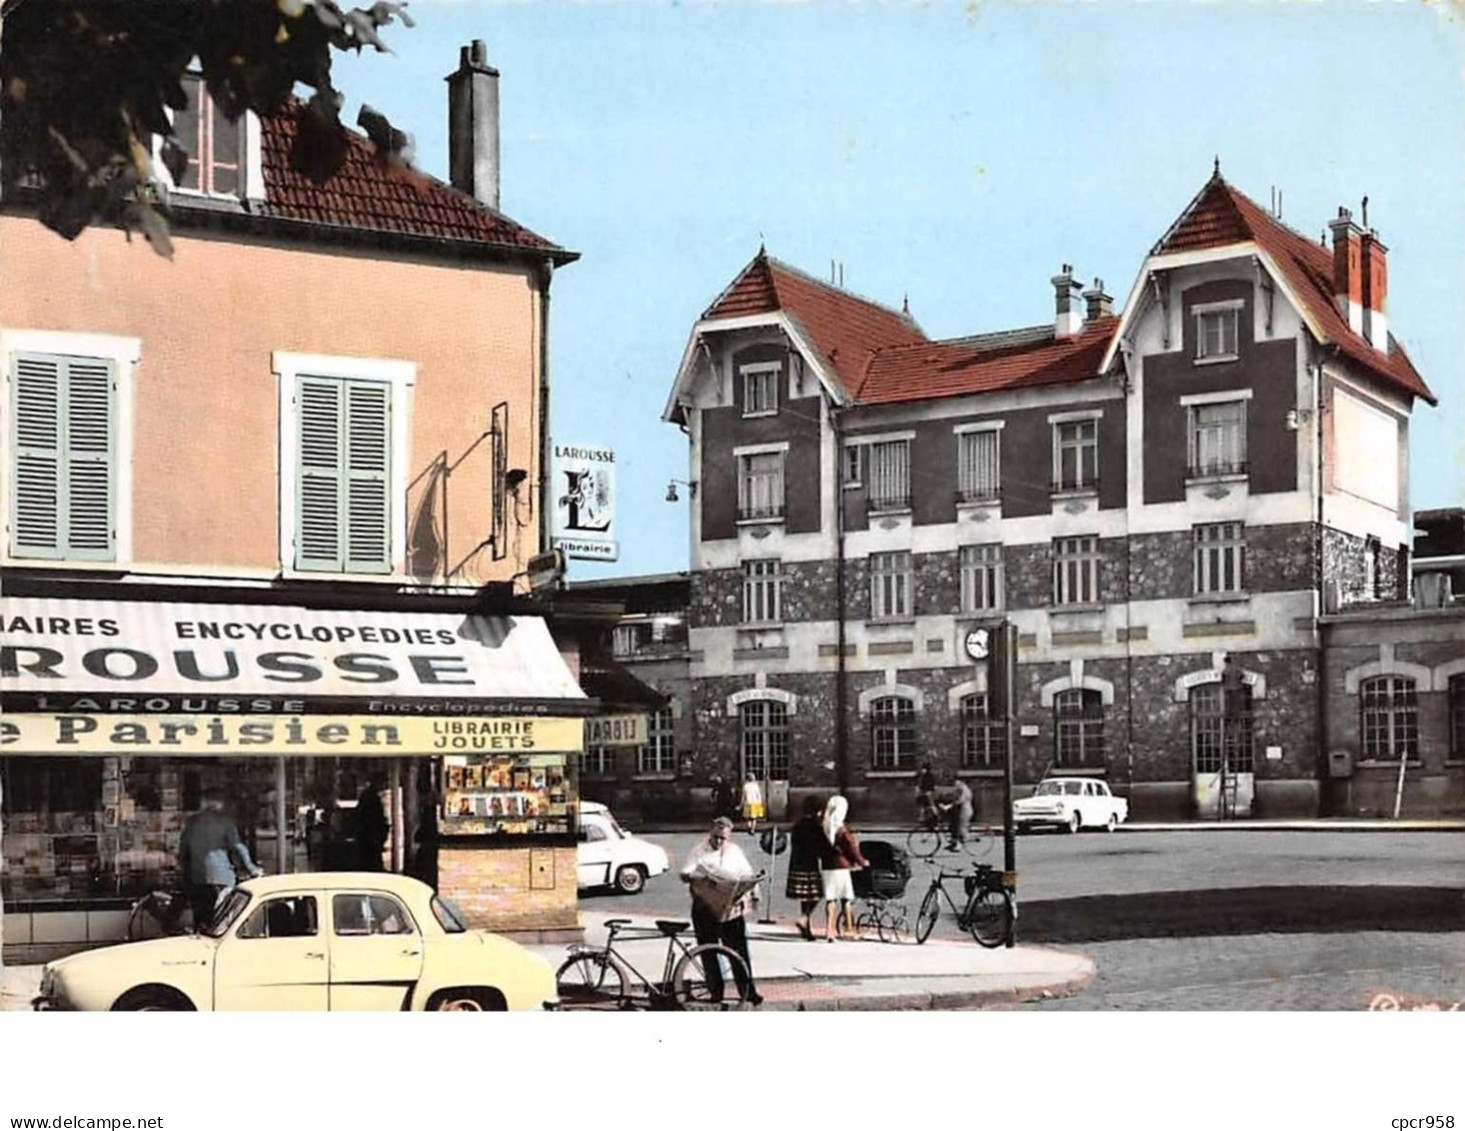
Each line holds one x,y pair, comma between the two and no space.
316,941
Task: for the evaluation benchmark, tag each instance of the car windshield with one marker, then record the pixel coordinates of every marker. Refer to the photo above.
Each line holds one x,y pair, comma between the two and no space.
226,911
449,918
616,828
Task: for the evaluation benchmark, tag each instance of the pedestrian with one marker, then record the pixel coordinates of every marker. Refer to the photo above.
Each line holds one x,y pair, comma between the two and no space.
721,797
371,827
805,847
752,801
715,862
926,796
840,854
958,814
208,849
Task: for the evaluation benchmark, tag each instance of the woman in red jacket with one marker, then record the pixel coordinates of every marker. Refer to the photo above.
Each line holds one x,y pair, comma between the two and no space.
841,854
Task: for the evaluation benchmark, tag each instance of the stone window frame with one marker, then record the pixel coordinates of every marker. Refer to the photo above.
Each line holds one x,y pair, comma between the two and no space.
1219,550
981,732
1078,714
1081,483
658,756
1193,403
760,381
1205,703
977,560
772,731
1388,706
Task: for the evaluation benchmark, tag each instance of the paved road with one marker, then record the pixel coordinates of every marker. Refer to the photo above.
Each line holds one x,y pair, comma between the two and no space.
1220,920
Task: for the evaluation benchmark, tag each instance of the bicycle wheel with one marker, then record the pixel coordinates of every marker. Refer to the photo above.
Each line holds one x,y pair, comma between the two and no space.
923,842
989,917
980,840
591,979
689,988
155,916
928,914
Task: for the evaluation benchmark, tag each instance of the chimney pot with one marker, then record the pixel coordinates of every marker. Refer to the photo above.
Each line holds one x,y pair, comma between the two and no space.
1066,293
1098,303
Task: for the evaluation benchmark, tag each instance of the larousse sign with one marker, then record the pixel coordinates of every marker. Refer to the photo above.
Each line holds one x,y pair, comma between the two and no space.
61,647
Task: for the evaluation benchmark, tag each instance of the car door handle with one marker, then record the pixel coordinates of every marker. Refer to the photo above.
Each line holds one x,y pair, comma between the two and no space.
314,954
410,953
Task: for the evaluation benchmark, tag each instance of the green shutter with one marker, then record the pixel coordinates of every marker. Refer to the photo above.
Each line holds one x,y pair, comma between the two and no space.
318,482
64,485
343,497
89,461
368,467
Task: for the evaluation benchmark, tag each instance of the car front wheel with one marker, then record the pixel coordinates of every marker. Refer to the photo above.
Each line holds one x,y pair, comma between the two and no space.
1075,821
468,1000
630,878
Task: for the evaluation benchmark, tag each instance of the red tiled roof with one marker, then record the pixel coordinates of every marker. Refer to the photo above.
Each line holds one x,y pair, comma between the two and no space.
987,364
369,194
846,330
1222,215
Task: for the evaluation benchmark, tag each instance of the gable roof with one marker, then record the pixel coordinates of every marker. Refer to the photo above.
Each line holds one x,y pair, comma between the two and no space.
845,329
1221,215
369,194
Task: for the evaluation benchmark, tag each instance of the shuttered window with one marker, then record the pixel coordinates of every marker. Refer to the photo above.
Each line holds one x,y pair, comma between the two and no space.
64,477
343,504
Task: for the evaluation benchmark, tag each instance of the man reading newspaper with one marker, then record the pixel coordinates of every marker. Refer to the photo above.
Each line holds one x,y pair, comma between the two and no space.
723,885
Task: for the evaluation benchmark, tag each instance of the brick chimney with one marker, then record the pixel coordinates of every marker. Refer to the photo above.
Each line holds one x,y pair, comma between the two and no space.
1348,269
1066,291
473,126
1375,290
1098,304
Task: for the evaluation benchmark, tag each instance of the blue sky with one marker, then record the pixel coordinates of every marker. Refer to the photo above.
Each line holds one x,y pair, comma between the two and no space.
955,154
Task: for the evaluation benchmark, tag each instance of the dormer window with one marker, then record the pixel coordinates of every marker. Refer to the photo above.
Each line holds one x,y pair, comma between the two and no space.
1216,331
760,388
215,145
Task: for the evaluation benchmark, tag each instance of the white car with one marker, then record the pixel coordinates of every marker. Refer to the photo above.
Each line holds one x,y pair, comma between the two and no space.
314,941
608,856
1072,804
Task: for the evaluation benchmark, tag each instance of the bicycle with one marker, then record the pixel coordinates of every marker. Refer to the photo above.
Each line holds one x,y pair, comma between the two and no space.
159,914
600,977
989,912
933,833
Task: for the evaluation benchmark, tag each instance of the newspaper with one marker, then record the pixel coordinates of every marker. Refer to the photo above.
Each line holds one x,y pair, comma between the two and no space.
723,895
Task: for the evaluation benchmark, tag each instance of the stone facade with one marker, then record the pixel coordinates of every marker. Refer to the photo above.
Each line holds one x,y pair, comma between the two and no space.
1345,571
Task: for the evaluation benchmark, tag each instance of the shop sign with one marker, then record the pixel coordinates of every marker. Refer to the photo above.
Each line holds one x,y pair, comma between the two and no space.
616,730
140,649
583,482
351,736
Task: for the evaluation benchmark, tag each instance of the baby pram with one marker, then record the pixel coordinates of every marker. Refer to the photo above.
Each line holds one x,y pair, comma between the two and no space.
880,888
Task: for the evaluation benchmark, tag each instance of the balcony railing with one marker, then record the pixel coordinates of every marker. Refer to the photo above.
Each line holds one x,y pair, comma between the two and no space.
891,502
762,511
982,493
1212,468
1069,484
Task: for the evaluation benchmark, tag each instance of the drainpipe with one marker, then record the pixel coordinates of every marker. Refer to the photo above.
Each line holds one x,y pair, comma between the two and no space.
1319,579
841,698
546,275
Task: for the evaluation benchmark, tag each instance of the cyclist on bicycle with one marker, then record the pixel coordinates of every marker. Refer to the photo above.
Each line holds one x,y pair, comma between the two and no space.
208,849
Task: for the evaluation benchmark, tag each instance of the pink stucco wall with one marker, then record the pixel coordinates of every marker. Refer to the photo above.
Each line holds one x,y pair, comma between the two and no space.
206,407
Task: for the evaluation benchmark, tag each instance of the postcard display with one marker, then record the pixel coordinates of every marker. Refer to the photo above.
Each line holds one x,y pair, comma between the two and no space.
519,794
121,839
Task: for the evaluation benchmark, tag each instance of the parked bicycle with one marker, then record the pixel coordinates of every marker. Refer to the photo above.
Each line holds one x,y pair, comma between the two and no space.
988,913
158,915
602,977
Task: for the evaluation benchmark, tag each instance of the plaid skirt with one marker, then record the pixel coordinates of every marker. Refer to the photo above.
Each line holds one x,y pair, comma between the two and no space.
803,885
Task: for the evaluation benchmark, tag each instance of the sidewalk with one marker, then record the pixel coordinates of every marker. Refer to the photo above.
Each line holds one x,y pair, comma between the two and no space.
1235,825
797,975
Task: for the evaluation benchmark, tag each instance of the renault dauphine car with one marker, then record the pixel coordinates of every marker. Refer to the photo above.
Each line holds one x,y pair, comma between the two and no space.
312,941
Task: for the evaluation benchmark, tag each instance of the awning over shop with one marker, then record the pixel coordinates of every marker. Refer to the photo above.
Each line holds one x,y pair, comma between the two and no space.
137,656
618,688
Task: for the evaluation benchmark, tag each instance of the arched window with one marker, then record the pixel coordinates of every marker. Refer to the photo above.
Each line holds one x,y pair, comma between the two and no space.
1390,718
892,733
1457,716
1213,730
983,739
764,739
1078,716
